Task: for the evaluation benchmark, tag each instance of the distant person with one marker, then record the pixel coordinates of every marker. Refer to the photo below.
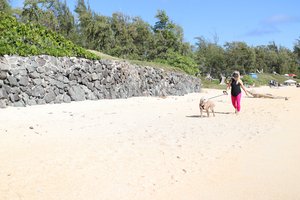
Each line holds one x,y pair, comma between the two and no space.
255,94
236,84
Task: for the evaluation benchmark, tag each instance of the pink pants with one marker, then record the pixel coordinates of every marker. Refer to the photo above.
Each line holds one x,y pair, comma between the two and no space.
236,102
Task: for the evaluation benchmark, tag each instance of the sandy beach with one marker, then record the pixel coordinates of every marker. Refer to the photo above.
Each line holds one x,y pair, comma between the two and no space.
153,148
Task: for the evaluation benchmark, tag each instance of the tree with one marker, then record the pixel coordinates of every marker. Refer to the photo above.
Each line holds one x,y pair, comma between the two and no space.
260,58
240,57
210,57
167,36
142,36
100,33
4,6
297,48
123,45
65,19
84,25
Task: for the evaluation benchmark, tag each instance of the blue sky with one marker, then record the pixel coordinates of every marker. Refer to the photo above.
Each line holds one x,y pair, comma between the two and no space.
256,22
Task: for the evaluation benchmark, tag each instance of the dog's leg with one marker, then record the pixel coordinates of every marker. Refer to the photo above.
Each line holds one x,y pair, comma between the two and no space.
213,111
200,111
207,112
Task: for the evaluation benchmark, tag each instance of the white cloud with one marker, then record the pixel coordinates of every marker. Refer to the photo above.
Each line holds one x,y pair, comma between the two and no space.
263,30
281,19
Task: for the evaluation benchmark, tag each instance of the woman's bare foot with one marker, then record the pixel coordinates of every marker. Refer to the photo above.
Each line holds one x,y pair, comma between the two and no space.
236,112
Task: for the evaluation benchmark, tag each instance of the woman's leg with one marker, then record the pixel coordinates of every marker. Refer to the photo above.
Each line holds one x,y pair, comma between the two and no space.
238,102
233,101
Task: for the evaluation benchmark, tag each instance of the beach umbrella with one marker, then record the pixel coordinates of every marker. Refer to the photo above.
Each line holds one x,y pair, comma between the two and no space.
292,75
290,81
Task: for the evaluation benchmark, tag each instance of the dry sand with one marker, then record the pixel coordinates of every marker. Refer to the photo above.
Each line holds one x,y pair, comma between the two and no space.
152,148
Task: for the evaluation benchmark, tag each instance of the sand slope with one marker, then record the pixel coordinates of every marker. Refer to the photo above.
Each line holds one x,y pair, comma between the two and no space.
152,148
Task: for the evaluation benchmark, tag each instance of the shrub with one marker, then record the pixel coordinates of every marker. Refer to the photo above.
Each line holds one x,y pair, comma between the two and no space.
185,63
248,80
30,39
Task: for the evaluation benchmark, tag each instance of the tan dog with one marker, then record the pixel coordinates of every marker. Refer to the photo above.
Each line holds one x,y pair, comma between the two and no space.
206,105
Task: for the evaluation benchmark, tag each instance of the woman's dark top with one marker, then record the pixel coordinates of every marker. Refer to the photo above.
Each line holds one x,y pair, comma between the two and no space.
235,88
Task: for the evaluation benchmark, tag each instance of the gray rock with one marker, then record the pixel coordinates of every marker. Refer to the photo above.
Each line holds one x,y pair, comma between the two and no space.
98,95
22,72
98,85
23,81
41,62
32,102
72,77
4,65
37,81
3,103
38,91
40,101
3,93
14,97
34,75
59,98
55,90
66,99
76,93
7,88
41,70
58,84
12,81
3,75
90,86
95,77
30,68
12,60
24,97
18,104
49,97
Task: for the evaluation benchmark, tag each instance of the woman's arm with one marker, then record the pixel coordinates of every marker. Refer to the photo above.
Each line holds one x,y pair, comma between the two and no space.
243,87
228,85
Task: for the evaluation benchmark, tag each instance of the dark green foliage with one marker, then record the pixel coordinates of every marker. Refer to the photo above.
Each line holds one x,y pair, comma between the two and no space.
216,60
210,57
28,39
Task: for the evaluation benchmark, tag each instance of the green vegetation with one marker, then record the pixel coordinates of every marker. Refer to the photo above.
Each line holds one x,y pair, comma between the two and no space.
28,39
263,79
49,27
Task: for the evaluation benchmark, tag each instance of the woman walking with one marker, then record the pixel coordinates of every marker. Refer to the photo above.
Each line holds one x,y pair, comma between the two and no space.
236,84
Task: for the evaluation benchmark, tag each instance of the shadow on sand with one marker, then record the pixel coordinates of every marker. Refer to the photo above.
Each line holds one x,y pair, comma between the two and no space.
204,114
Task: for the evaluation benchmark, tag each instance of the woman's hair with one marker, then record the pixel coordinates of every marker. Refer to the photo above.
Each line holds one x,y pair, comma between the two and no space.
236,74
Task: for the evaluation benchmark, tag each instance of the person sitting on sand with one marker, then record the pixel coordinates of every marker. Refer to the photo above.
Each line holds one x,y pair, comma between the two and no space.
236,84
254,94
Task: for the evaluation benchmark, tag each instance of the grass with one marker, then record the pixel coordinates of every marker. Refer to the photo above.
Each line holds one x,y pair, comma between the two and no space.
213,84
139,62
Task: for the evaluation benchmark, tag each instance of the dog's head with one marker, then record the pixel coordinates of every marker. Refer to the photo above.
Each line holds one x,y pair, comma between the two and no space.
203,100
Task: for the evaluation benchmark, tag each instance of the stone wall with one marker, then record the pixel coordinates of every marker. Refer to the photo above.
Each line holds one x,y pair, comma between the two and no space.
46,79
